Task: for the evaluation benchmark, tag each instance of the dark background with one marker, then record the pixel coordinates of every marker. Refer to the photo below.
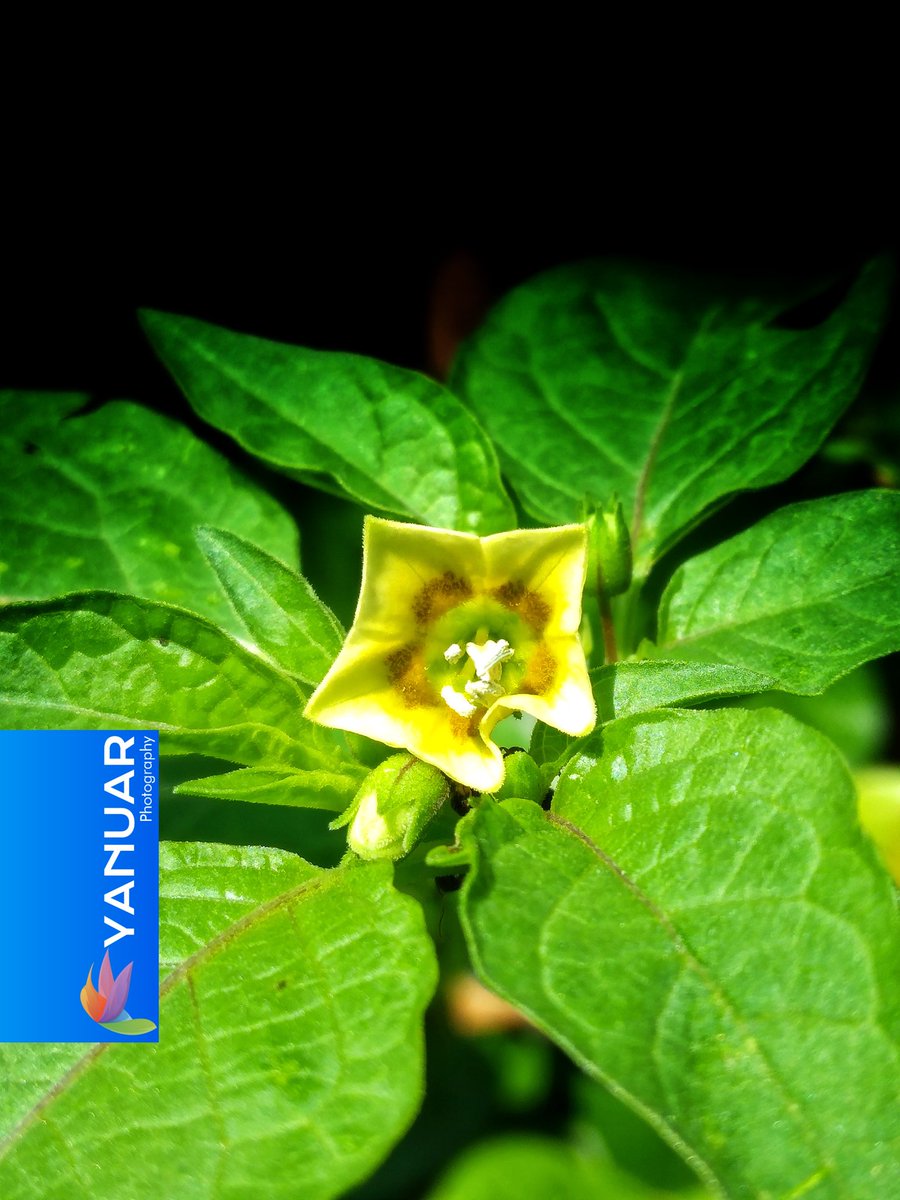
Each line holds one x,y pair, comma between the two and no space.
358,271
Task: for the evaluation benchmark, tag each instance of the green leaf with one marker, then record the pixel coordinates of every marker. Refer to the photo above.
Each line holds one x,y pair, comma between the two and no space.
853,713
29,414
303,789
701,925
102,661
284,615
549,745
625,688
110,500
389,438
804,596
290,1052
671,391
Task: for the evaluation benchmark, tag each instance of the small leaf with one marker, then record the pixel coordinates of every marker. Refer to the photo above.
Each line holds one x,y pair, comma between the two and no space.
102,661
284,615
671,391
804,596
389,438
290,1043
110,500
700,924
303,789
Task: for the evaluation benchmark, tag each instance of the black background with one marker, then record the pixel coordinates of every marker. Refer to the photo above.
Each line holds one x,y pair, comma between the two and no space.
357,272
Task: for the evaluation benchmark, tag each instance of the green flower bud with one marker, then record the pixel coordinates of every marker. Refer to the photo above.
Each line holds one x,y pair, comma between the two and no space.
609,549
522,780
392,807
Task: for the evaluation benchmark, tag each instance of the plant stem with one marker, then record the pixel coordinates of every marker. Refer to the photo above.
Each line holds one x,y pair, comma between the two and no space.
610,649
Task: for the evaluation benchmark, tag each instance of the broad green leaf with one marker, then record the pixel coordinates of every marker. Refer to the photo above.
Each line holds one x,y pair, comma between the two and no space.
26,414
701,924
625,688
804,596
671,391
284,615
389,438
290,1052
600,1120
110,500
103,661
526,1167
853,712
303,789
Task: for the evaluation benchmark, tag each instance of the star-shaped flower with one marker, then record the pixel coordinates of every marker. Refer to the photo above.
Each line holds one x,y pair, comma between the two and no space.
452,633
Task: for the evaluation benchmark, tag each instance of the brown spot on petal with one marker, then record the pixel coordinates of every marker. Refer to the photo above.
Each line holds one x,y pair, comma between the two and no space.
398,662
438,596
531,607
406,671
539,674
464,727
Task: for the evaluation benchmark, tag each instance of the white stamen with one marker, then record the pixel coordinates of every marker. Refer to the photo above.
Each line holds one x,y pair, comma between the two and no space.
457,701
483,691
488,656
453,653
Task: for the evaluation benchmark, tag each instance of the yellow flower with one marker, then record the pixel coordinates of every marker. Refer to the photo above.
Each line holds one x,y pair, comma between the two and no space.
452,633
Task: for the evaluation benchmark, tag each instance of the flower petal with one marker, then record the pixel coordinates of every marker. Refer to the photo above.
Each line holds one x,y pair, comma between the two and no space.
399,563
550,565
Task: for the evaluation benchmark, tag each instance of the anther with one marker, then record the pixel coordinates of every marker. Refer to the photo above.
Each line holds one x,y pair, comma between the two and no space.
488,656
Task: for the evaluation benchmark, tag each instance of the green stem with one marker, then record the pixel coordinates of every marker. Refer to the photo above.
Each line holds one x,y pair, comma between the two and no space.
610,648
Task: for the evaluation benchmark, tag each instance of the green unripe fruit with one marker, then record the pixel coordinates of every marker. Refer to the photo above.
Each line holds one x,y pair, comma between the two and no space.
392,807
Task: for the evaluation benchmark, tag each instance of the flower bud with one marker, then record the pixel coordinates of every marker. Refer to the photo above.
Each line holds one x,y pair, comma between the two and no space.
609,549
392,807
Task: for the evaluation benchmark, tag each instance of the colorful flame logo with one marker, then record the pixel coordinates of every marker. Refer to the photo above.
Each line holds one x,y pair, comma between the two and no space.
106,1006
